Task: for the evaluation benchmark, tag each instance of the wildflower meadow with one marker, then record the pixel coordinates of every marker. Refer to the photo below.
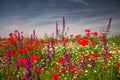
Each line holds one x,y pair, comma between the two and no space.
92,56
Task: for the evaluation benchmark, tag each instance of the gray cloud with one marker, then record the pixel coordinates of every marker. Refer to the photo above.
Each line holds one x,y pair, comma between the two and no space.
81,1
41,15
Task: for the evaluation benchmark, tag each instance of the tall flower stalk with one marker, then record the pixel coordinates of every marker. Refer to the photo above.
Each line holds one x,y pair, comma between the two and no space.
57,32
8,58
33,36
52,46
63,24
20,42
19,37
48,52
44,65
105,50
83,65
92,63
63,27
105,41
28,67
109,25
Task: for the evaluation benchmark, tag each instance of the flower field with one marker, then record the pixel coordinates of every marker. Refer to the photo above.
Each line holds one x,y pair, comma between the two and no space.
60,57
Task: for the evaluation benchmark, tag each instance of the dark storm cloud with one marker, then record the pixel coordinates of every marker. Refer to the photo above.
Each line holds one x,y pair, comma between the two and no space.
39,13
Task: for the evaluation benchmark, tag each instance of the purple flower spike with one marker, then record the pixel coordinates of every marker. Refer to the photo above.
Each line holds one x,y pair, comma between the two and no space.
3,59
53,49
83,65
28,74
17,67
31,37
109,25
21,45
92,63
18,37
28,67
48,50
63,27
8,57
105,41
33,32
29,63
44,64
67,57
63,23
105,50
56,29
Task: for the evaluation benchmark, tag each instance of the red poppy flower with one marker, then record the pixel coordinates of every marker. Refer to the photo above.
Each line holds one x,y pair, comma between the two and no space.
61,60
118,64
37,43
71,68
83,42
22,37
110,55
34,58
63,70
95,55
88,56
88,35
16,31
23,50
82,54
5,42
32,41
102,36
78,36
6,47
88,60
22,61
57,67
30,47
21,32
71,35
95,33
24,79
37,70
10,34
87,30
55,76
15,55
102,54
73,41
66,40
93,44
80,60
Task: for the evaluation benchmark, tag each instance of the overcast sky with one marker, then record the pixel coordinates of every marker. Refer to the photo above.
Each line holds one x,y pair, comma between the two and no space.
41,15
